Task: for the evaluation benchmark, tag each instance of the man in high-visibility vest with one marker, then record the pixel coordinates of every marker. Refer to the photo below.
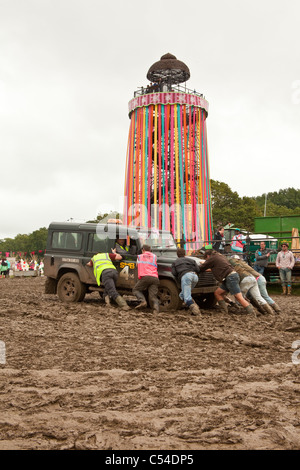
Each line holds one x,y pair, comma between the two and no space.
120,247
148,279
105,273
123,249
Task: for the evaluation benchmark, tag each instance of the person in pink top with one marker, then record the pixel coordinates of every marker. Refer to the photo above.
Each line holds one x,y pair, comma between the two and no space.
148,279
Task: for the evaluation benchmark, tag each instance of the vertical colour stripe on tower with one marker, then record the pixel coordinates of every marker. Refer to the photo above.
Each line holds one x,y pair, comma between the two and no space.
163,210
177,176
155,167
167,165
150,127
159,166
142,197
172,169
145,220
179,117
131,201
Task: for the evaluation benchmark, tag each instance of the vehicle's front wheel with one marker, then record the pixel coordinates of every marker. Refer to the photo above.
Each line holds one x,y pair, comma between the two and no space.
70,288
168,295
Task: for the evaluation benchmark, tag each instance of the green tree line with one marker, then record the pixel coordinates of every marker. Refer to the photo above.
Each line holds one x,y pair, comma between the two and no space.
227,207
26,244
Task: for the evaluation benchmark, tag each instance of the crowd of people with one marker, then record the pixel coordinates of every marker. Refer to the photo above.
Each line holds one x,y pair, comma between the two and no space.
285,259
245,283
31,265
20,265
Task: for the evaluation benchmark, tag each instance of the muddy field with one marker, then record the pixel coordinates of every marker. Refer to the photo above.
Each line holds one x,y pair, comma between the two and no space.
83,376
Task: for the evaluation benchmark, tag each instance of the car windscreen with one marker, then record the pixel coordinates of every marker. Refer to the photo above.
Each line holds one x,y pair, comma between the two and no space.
157,239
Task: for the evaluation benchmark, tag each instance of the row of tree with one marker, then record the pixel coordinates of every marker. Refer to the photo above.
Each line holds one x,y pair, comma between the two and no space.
227,207
25,245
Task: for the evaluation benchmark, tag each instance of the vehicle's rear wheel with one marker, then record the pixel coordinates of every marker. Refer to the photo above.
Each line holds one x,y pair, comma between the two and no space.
168,295
70,288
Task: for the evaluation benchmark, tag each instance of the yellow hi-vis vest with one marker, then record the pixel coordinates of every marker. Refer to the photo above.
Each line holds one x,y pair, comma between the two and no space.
101,261
122,247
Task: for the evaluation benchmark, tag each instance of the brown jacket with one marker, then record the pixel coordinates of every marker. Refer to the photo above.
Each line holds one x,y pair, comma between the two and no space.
219,266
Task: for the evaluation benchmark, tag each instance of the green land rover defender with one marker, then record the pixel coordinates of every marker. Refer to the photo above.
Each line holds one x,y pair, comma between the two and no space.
71,245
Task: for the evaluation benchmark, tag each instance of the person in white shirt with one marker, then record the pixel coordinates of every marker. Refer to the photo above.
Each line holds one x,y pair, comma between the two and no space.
285,262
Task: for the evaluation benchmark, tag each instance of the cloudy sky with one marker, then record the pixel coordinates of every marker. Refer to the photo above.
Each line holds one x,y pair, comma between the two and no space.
68,69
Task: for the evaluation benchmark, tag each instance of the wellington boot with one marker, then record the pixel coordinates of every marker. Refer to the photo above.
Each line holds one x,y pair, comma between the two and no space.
276,308
249,309
223,306
267,309
122,303
143,304
258,306
107,301
155,307
194,309
289,290
283,290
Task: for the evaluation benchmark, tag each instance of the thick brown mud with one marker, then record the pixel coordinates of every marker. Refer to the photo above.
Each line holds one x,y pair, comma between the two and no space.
84,376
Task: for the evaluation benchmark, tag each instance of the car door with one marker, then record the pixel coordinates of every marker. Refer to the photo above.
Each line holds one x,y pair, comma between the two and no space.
127,269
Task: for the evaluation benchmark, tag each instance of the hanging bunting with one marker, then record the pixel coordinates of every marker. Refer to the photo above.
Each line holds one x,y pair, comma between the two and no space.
167,168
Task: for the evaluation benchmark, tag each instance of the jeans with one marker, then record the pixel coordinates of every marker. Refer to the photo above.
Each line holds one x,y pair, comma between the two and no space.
250,285
188,282
262,285
285,276
231,284
259,269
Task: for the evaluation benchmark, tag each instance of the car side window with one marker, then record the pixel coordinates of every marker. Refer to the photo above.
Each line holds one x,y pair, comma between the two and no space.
66,240
99,243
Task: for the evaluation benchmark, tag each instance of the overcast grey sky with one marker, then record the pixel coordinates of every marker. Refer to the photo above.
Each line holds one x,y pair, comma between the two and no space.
68,69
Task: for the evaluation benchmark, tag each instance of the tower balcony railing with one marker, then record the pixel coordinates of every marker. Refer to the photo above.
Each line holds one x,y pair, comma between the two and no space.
165,88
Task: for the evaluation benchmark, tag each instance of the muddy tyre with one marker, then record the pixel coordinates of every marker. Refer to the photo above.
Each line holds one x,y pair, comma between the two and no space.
70,288
168,296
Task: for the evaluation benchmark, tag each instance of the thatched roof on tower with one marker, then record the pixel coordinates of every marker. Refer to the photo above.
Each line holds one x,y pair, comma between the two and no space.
168,69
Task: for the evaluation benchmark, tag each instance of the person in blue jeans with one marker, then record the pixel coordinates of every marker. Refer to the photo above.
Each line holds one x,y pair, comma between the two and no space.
186,270
285,262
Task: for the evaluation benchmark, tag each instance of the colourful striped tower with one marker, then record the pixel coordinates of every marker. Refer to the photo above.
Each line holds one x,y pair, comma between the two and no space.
167,182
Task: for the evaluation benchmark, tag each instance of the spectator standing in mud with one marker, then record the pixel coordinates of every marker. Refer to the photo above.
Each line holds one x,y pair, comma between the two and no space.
261,258
186,270
106,273
285,262
148,279
5,267
227,276
219,240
